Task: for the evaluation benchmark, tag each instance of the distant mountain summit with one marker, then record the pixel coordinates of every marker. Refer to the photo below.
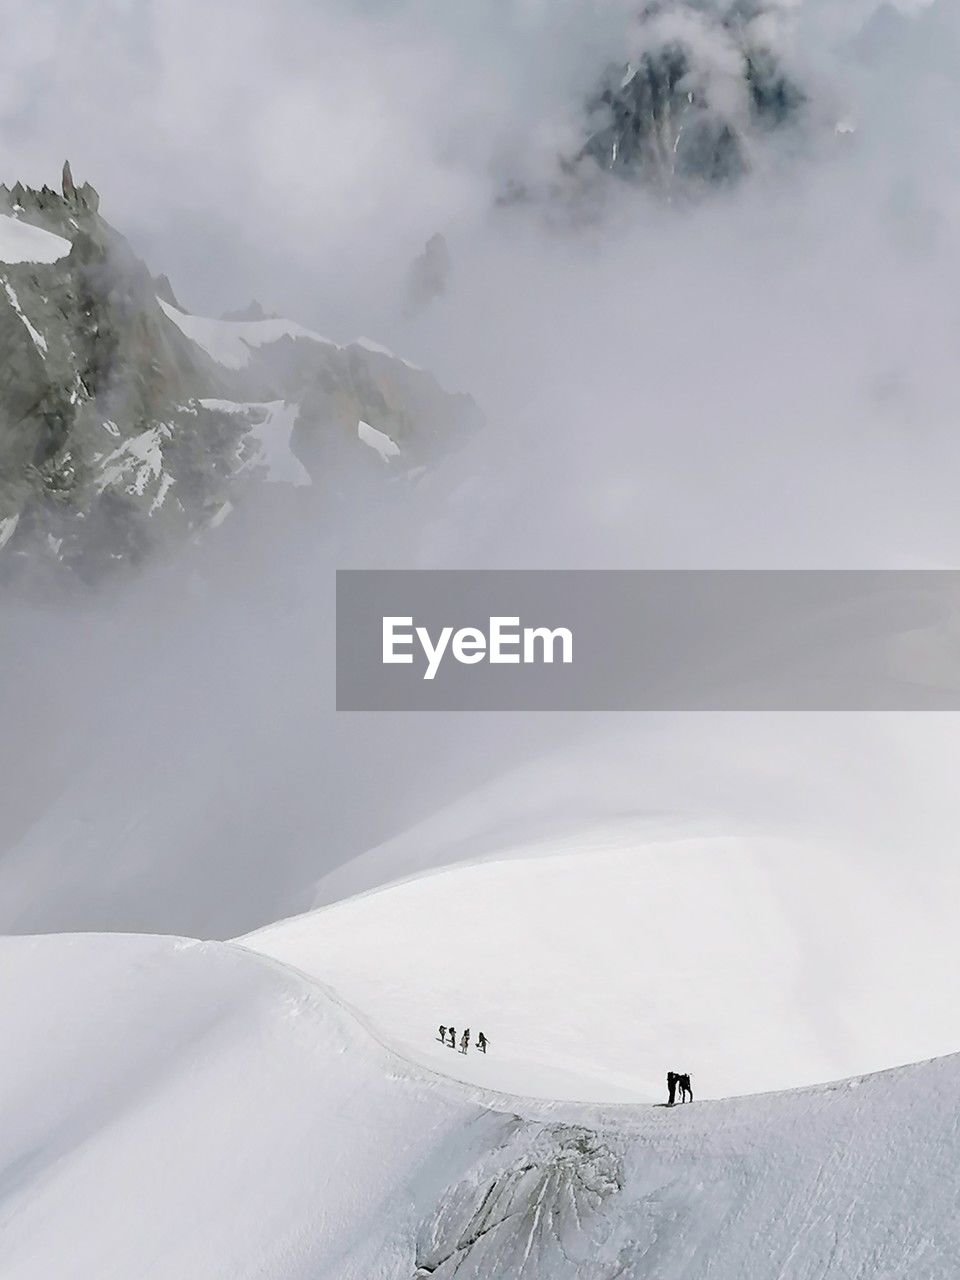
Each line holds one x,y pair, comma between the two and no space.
252,311
704,82
126,422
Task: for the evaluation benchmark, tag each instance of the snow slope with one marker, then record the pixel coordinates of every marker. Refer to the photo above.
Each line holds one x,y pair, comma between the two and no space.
229,342
596,964
23,242
173,1109
377,440
378,349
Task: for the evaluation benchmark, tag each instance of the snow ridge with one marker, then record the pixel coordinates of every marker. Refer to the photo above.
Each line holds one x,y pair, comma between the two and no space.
230,342
23,242
177,1108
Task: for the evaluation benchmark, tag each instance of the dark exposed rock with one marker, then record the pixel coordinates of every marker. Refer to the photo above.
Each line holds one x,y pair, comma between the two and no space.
89,198
689,108
429,275
252,311
92,385
67,188
164,289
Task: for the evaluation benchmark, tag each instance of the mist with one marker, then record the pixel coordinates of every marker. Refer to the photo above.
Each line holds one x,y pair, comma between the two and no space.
761,376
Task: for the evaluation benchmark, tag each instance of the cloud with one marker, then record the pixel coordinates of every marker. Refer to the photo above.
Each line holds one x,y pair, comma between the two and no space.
306,135
765,377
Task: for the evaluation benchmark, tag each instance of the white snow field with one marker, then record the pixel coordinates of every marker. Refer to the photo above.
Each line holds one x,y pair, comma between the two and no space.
229,342
753,963
377,440
172,1109
180,1109
23,242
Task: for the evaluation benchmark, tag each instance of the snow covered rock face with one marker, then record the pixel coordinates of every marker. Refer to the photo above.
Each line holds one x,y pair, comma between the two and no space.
126,424
338,389
535,1207
98,449
703,84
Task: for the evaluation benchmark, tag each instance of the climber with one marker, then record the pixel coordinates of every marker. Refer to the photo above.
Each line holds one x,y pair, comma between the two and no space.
672,1079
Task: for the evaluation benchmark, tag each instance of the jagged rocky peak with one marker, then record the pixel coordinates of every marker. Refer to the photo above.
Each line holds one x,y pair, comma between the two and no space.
69,201
127,423
66,212
703,83
164,290
85,196
429,275
95,387
252,311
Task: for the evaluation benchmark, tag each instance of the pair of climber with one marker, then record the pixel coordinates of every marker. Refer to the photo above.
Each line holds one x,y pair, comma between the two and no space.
678,1081
464,1039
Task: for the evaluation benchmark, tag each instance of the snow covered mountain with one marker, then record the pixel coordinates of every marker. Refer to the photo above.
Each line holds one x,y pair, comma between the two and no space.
126,422
704,83
171,1108
590,960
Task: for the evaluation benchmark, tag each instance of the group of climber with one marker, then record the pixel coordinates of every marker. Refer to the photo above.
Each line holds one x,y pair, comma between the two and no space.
464,1039
677,1080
